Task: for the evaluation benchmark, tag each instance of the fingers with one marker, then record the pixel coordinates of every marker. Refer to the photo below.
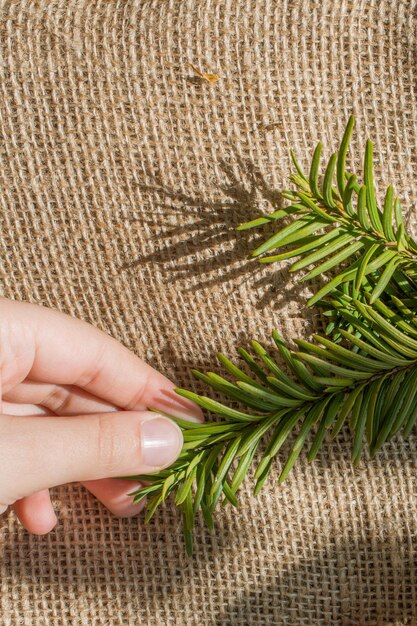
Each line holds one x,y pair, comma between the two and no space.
10,408
60,399
49,346
41,452
36,513
70,400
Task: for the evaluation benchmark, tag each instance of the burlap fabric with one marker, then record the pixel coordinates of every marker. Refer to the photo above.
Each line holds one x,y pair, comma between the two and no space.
123,176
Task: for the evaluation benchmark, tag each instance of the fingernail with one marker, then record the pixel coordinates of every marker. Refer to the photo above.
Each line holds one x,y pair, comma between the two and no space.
161,442
168,401
187,416
186,410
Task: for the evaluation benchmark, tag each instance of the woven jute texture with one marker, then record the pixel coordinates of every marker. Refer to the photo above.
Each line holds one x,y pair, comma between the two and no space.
123,176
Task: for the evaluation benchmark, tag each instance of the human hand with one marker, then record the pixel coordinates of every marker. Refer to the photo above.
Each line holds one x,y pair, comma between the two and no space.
73,409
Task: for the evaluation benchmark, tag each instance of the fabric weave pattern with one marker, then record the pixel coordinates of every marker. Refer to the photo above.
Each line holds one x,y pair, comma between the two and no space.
122,178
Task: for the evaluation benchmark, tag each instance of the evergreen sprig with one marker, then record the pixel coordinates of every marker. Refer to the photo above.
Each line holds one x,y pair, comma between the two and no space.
344,225
365,373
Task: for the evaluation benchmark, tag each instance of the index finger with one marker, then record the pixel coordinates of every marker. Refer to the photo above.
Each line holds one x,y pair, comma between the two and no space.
50,346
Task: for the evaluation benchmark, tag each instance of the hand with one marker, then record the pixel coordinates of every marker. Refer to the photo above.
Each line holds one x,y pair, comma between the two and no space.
73,408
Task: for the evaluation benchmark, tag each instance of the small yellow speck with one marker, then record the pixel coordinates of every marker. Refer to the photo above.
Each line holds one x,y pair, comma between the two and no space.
210,78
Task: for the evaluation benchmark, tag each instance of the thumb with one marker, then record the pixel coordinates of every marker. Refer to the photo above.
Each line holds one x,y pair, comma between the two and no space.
41,452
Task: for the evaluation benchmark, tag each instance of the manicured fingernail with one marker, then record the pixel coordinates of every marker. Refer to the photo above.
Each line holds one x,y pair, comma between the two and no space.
170,402
161,442
187,415
186,410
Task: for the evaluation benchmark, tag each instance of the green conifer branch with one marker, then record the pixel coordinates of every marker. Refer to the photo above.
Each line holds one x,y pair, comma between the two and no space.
364,372
342,228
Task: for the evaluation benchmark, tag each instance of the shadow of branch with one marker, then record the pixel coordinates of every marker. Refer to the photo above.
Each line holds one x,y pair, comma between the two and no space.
193,237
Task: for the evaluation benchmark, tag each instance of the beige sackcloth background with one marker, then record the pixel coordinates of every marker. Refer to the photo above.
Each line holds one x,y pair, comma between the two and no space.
123,177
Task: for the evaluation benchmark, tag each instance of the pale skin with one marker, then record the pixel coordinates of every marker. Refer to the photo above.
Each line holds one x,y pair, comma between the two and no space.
74,408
